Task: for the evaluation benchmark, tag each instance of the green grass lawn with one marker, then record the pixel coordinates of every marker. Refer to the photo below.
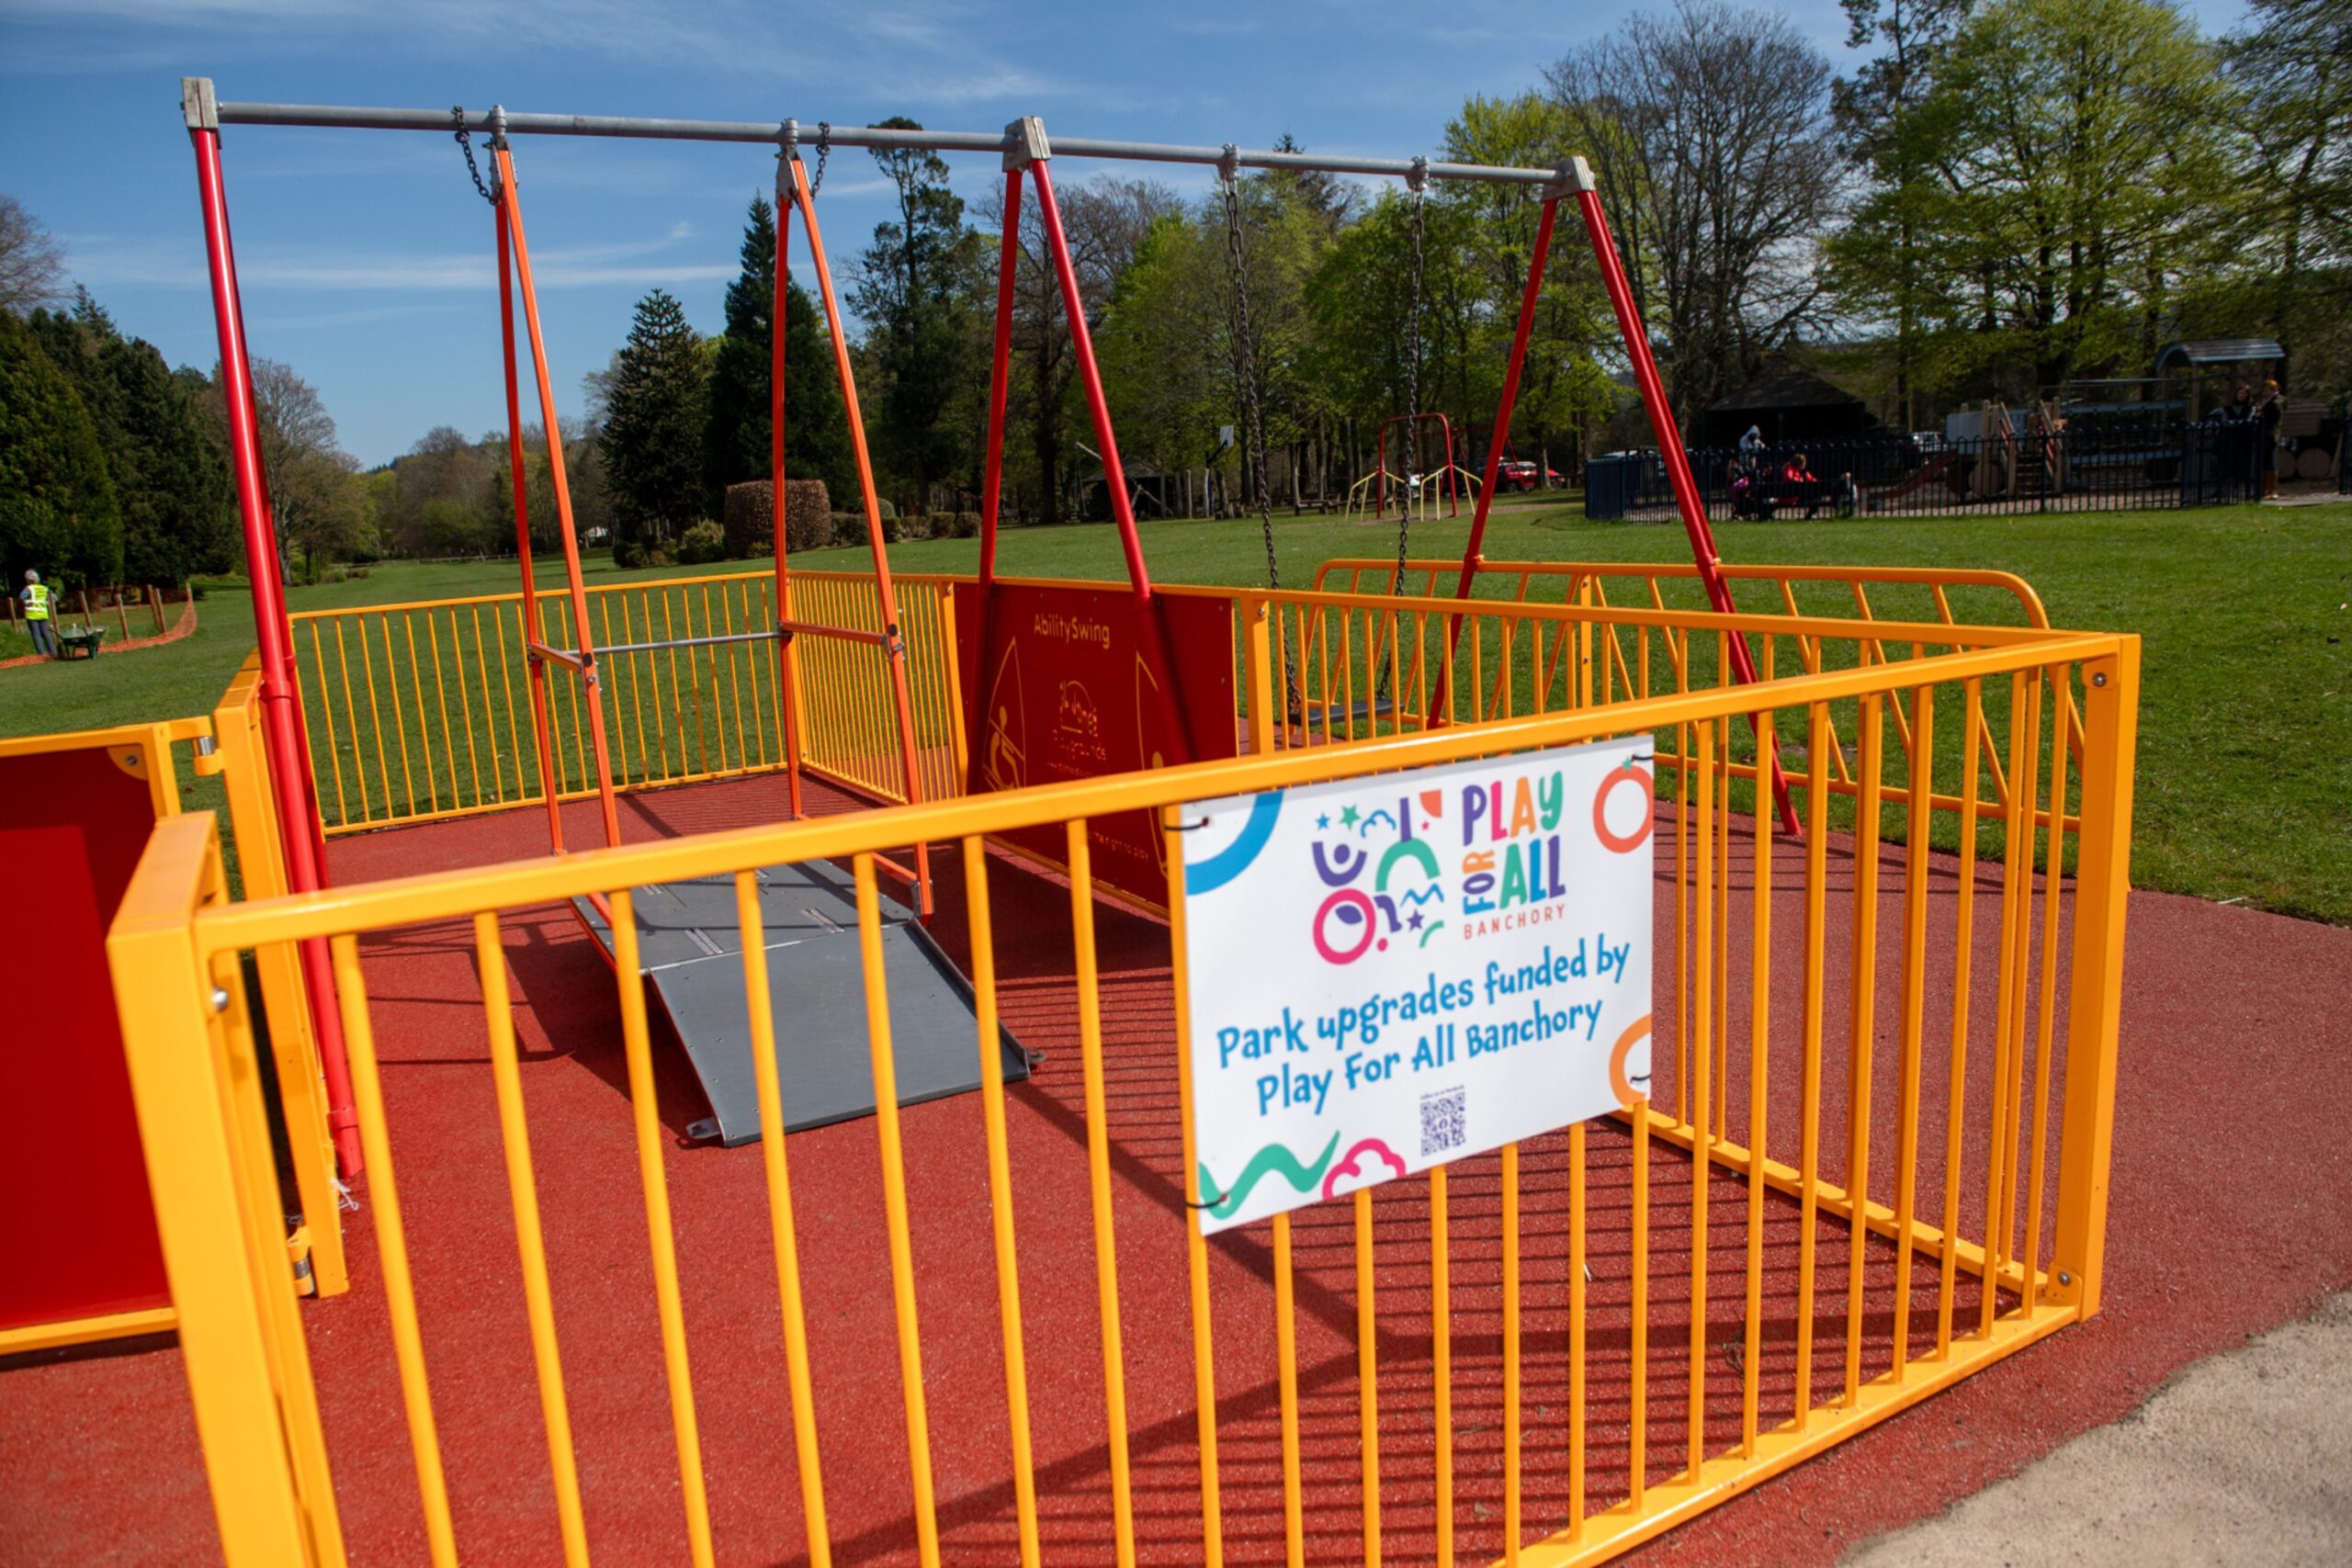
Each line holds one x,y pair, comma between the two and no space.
2245,787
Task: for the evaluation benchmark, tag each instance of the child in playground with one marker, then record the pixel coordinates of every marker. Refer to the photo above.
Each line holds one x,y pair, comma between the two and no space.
1747,498
1802,486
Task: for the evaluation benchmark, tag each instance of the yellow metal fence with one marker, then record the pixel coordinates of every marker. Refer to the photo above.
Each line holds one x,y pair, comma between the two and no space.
420,712
1874,1161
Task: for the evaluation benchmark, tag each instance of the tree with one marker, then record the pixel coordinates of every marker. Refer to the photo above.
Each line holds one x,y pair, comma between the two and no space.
1710,126
2294,66
655,420
1562,385
33,263
1105,221
816,438
315,496
2083,181
1882,260
915,286
58,513
169,482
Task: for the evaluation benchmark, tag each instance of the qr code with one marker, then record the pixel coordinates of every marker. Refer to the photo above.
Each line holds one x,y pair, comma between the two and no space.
1444,1122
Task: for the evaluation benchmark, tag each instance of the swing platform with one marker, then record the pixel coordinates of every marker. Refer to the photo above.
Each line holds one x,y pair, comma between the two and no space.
690,949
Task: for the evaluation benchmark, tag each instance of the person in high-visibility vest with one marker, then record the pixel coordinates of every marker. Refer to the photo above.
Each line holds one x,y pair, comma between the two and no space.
37,599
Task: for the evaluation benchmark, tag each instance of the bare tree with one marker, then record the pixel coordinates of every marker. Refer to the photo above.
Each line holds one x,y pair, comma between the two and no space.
1105,220
33,263
1710,129
314,493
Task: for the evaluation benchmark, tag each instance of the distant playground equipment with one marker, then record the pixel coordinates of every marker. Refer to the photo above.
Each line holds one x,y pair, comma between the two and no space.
1074,724
1424,486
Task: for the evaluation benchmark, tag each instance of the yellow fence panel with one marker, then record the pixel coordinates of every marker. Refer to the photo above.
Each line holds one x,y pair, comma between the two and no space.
1872,1161
422,712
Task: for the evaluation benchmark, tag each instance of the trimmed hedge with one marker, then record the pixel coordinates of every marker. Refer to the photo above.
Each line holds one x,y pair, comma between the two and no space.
751,517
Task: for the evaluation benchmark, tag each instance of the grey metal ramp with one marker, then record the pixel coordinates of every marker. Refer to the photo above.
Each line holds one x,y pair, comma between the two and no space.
690,947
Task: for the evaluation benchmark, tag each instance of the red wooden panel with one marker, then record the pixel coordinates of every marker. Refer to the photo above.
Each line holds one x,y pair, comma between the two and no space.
77,1227
1070,694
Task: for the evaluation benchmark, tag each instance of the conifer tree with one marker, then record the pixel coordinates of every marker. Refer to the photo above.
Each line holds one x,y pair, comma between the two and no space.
58,514
816,439
655,422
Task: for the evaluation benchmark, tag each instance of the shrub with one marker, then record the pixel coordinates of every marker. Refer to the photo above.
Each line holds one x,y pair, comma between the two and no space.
899,530
955,524
849,528
751,517
627,554
703,543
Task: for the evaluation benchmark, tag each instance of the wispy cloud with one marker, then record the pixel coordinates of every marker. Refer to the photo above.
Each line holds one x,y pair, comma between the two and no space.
932,54
105,261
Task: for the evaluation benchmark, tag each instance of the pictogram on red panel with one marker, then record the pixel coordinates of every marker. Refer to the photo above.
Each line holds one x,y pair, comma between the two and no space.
1072,684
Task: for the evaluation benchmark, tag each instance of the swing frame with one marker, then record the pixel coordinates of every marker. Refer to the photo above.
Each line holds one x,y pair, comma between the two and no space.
1026,155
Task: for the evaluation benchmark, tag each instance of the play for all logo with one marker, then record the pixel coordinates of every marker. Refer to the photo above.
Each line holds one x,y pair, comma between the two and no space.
1387,973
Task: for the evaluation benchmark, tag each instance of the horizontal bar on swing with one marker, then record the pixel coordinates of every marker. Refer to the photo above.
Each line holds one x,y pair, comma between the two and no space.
847,634
1573,174
572,656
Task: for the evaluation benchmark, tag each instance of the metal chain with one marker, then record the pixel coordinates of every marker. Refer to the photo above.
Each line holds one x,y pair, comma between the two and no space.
1413,377
824,150
466,145
1245,374
1253,417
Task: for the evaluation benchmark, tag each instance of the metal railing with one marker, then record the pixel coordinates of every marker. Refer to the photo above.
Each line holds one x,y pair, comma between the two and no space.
1887,1149
1385,665
2094,468
420,712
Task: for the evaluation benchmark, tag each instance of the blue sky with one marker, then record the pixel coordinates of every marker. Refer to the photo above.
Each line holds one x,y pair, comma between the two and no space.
366,255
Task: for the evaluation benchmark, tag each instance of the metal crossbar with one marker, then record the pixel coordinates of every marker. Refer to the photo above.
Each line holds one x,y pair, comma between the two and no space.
1572,174
572,656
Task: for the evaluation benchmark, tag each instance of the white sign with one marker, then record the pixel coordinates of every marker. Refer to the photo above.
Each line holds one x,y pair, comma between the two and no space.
1388,973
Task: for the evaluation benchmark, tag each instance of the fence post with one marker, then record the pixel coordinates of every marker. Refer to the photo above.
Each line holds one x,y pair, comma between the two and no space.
1257,672
2094,983
201,1183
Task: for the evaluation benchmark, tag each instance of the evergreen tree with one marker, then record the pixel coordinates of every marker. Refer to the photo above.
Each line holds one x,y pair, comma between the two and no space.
915,286
815,437
58,514
177,516
654,425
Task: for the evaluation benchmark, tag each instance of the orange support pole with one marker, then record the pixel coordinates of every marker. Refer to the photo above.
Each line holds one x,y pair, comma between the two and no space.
895,644
788,662
562,486
533,637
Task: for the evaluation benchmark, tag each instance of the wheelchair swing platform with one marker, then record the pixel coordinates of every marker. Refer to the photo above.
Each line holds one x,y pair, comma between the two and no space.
690,947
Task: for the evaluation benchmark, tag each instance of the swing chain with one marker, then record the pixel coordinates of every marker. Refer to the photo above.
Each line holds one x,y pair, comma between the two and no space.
824,150
1418,182
1245,372
466,145
1245,368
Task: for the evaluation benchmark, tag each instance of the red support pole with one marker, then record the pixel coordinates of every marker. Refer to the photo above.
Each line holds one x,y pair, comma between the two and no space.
1678,470
1485,500
535,667
1115,477
787,660
281,726
999,378
992,479
1082,342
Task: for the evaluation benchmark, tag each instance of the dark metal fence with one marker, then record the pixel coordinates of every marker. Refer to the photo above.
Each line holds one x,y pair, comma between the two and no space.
2107,466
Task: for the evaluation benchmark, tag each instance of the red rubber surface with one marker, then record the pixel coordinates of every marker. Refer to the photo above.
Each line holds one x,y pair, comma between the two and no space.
2231,1211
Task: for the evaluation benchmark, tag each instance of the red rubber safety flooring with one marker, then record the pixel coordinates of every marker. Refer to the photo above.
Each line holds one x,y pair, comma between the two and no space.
2231,1211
